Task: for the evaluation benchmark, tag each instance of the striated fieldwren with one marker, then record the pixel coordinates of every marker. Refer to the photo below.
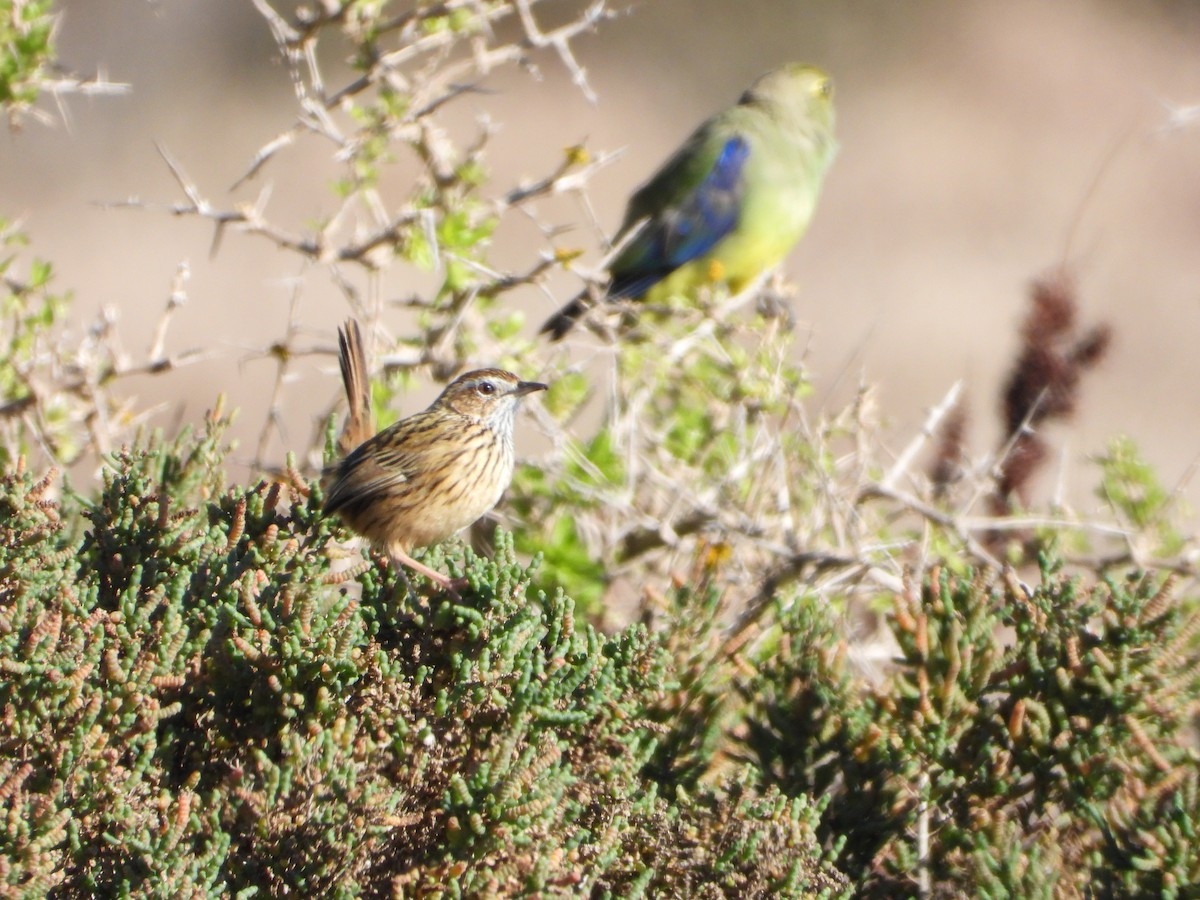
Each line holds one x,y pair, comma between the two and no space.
423,478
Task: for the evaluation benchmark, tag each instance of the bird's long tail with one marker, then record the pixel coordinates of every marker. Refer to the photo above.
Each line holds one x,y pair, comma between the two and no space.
353,360
564,320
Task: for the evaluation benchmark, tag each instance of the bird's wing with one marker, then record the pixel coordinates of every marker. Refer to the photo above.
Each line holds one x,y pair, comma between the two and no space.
682,212
378,466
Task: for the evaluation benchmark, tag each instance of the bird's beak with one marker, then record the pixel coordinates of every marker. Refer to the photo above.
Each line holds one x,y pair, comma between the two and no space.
528,387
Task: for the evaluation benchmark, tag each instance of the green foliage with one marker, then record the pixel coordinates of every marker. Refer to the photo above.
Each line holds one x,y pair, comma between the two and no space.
26,52
566,557
699,713
1069,738
703,438
31,311
197,700
1131,486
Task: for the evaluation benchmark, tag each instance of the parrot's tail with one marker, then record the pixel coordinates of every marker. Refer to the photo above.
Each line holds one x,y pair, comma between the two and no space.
564,320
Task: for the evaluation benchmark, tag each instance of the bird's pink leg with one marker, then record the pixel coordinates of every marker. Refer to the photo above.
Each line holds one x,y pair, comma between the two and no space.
448,584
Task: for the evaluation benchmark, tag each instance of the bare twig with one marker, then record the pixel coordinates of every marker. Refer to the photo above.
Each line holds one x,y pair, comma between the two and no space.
928,429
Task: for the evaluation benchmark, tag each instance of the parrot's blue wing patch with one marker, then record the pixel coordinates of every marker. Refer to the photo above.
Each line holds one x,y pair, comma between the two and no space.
690,229
712,211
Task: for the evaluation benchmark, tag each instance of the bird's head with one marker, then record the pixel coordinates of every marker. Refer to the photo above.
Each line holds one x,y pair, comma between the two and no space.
488,394
794,89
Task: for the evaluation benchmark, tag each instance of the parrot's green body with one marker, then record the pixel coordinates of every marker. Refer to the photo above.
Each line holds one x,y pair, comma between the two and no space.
732,201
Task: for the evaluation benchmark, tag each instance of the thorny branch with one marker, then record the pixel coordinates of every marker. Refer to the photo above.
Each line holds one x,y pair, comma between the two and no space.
297,41
83,377
407,70
379,233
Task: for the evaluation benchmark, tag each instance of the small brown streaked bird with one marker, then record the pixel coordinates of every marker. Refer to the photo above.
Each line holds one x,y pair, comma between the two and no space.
423,478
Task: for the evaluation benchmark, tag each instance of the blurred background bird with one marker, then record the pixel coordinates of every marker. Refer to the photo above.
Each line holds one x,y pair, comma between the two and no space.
731,202
423,478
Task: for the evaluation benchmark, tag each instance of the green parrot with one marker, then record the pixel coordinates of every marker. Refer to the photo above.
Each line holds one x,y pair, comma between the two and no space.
731,202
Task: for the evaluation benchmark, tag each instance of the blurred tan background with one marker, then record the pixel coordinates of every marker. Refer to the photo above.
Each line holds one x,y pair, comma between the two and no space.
981,141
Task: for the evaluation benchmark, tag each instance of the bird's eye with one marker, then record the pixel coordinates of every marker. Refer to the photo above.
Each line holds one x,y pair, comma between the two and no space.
486,388
825,88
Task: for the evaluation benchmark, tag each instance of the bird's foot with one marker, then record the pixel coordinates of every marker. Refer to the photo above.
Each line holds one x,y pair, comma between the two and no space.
450,585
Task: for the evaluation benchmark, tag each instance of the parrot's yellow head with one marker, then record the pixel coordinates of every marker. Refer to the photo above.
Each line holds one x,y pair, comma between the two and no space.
795,88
